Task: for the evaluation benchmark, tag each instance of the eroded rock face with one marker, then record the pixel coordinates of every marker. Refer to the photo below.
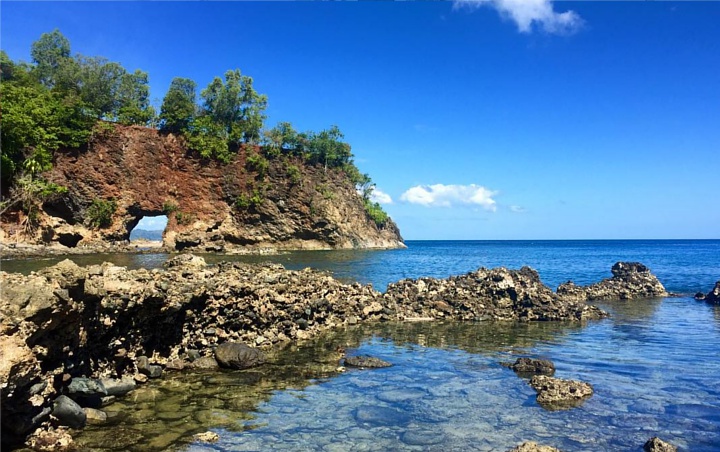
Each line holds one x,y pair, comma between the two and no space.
630,280
486,294
207,203
555,393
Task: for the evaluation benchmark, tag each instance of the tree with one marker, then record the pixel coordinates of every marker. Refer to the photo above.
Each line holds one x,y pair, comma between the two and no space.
49,53
100,86
209,139
134,99
178,107
236,106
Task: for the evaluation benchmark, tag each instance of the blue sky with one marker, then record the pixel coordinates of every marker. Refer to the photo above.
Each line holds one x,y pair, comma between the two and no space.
493,119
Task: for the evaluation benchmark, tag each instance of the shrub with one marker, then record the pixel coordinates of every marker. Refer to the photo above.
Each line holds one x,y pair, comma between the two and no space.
100,212
257,163
376,212
294,174
184,218
169,207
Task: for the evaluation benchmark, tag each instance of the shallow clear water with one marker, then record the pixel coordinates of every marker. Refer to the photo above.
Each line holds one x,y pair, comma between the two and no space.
654,366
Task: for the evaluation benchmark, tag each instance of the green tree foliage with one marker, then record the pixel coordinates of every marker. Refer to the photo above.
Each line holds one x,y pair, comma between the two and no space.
178,107
236,106
209,139
134,99
100,212
50,53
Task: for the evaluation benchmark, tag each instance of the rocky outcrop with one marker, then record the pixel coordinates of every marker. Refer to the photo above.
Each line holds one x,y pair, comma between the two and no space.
655,444
555,393
712,297
630,280
91,333
279,203
235,355
486,294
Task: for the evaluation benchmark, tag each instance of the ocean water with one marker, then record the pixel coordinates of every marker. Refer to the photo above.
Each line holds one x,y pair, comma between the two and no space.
654,365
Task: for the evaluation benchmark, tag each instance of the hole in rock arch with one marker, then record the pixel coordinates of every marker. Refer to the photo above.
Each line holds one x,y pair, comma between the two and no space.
149,228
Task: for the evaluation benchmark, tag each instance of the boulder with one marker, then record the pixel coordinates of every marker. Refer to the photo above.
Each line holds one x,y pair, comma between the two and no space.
530,366
86,387
366,362
555,393
655,444
68,412
236,355
145,368
205,362
118,387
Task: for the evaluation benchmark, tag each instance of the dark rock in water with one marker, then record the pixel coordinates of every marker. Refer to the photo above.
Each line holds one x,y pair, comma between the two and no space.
68,412
630,280
714,295
699,296
145,368
206,362
530,366
86,387
532,446
555,393
655,444
380,415
115,387
236,355
366,362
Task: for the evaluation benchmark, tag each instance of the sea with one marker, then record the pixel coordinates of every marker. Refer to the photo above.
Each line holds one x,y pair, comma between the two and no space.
654,364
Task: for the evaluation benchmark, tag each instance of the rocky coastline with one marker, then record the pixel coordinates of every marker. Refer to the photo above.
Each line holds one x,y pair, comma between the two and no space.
75,335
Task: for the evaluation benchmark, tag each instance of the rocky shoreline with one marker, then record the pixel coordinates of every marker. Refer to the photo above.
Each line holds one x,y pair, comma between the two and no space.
72,332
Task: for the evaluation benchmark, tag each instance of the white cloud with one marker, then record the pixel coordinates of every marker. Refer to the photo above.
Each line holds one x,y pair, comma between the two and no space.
517,209
440,195
380,197
526,12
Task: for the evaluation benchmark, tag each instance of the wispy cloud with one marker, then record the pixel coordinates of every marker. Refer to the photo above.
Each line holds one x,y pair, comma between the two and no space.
525,13
517,209
380,196
440,195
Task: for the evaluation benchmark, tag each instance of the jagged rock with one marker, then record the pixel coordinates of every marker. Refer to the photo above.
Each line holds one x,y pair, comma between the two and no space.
366,362
699,296
234,355
532,446
68,412
530,366
555,393
630,280
714,295
206,437
655,444
52,440
486,294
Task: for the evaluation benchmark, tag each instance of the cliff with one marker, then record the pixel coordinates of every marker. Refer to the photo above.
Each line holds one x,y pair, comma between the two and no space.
250,203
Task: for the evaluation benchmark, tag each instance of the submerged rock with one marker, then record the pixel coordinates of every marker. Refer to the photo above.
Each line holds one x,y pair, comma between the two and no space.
630,280
380,415
530,366
555,393
655,444
235,355
532,446
366,362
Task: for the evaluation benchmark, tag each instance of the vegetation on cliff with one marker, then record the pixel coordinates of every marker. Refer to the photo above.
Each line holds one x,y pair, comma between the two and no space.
60,101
